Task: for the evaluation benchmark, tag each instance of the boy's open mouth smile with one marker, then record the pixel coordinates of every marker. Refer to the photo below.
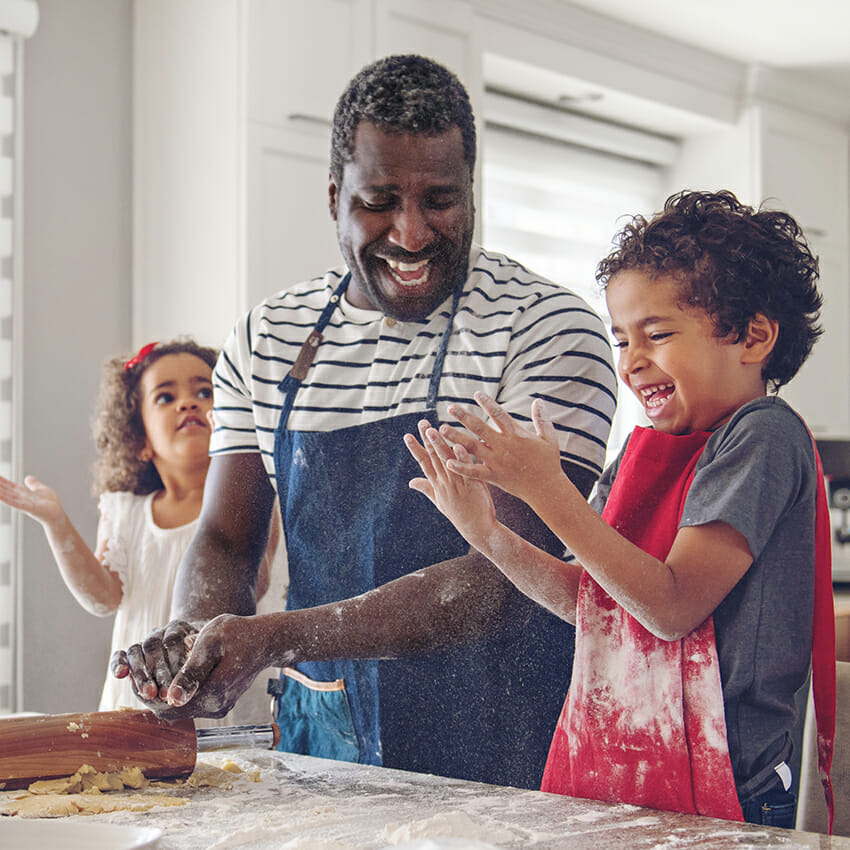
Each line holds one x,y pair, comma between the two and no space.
656,396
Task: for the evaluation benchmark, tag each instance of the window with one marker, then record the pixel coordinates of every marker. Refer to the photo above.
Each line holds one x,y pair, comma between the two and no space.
18,20
554,204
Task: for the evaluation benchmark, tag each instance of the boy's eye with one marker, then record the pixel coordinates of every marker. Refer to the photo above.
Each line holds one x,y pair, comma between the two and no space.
620,343
206,392
660,335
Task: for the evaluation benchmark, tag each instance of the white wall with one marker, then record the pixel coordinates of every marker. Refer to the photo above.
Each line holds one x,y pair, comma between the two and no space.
77,270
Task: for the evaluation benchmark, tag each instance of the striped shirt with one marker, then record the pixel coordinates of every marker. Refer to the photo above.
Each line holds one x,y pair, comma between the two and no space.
516,336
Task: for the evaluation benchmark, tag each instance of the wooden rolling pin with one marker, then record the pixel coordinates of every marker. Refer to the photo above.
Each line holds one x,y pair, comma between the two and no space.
49,746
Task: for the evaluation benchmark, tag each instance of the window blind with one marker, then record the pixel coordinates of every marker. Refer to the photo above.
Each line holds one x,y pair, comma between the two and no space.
7,313
555,206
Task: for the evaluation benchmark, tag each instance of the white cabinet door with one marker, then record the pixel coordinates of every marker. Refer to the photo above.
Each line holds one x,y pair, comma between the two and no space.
300,54
439,29
290,236
804,170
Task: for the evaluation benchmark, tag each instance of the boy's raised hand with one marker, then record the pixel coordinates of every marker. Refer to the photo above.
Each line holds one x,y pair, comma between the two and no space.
518,461
465,502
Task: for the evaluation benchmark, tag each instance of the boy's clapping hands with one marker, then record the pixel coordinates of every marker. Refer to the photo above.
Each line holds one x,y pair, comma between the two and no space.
457,463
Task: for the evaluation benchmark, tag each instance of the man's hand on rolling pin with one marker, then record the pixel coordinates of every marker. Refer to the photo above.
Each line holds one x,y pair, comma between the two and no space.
152,664
225,658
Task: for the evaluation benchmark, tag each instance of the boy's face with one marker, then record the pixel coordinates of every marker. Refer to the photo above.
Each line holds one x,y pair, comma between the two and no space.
687,378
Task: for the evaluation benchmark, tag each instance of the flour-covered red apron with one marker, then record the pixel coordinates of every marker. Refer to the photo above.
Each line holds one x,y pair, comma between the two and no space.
643,722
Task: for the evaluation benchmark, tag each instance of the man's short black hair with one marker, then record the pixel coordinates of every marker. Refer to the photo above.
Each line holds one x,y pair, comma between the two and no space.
402,94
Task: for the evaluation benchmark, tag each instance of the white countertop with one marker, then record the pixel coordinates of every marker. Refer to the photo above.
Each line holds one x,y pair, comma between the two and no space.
303,802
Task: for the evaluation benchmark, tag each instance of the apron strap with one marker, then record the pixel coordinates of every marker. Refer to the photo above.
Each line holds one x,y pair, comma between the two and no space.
823,644
439,360
296,375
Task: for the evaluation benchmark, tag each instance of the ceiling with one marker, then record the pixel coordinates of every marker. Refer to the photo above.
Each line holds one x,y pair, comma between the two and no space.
811,36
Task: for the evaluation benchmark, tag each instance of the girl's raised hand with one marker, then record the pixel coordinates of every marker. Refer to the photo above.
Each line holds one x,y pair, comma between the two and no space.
465,502
518,461
35,499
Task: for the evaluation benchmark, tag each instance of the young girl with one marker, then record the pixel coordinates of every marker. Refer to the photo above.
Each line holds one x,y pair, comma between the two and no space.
152,431
693,592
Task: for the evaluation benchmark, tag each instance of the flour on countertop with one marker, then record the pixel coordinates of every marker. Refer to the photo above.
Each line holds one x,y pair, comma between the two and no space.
444,825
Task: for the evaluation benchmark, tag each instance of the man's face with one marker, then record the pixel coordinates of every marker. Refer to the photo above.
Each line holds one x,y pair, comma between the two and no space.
404,214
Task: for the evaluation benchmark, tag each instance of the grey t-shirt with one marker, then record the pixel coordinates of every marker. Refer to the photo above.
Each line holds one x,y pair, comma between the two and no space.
758,474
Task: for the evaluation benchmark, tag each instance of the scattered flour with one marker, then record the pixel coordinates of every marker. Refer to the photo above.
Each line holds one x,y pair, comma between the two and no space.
444,825
243,837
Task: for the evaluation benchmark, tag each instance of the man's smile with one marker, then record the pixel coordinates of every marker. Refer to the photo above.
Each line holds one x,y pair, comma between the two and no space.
409,274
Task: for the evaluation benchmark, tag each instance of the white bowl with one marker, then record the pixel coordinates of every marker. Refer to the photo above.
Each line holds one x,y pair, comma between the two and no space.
28,834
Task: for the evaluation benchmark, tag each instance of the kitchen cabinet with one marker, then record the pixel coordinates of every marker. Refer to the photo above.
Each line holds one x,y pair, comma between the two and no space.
802,166
793,160
232,111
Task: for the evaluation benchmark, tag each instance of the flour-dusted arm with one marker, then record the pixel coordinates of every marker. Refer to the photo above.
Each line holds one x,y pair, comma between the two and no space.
93,584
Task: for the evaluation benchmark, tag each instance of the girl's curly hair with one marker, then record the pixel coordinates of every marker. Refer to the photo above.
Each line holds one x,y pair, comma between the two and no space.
118,430
733,262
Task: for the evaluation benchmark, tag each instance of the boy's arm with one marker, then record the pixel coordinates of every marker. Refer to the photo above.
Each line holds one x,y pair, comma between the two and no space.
468,504
442,606
670,598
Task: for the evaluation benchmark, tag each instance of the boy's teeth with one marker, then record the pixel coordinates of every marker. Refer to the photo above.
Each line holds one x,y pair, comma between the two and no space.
649,393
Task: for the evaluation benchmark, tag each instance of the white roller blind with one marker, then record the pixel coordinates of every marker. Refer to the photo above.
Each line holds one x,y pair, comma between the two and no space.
555,206
7,302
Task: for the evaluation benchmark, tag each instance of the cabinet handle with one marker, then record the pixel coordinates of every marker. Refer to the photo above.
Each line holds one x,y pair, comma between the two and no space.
308,119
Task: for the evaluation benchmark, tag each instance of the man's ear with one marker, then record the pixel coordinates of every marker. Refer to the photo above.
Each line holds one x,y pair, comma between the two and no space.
760,338
333,193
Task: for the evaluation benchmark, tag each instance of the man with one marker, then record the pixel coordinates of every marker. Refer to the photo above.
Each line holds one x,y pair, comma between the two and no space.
313,393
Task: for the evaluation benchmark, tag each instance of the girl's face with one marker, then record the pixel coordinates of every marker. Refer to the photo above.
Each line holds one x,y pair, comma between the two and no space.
176,396
687,378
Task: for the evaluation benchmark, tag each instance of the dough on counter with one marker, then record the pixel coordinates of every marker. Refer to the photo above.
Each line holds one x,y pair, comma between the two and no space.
90,792
90,781
28,805
222,776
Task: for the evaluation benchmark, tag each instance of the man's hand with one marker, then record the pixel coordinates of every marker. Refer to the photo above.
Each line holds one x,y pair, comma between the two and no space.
179,671
152,664
226,657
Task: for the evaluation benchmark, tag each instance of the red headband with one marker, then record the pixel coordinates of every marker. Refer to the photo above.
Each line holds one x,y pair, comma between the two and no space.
144,351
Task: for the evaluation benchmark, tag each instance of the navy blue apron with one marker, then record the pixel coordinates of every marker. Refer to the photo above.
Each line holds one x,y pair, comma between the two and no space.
484,712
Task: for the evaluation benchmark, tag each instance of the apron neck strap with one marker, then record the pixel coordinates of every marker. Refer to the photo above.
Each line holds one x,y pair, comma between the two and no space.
296,375
440,359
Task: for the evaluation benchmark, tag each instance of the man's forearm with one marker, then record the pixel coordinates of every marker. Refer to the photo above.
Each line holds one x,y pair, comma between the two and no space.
212,580
432,610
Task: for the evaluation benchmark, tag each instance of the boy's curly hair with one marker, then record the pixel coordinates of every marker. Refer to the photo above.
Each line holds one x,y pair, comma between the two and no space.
402,94
119,433
733,262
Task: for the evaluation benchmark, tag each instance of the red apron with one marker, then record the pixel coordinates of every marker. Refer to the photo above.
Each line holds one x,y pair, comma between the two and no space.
643,722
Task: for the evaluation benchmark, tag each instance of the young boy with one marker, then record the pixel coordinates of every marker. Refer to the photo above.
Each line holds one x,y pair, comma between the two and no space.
693,592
